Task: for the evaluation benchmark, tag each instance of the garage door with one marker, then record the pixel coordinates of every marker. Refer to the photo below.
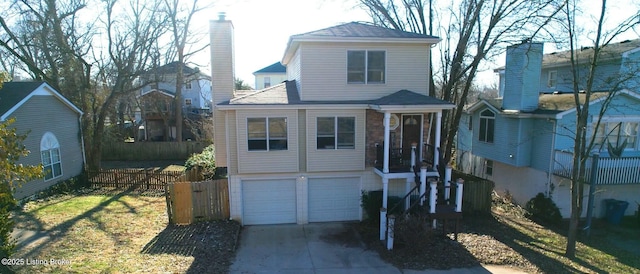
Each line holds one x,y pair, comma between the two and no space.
268,202
334,199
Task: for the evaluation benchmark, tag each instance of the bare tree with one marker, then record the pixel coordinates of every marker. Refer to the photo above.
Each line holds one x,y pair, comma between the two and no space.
475,31
180,13
585,76
55,45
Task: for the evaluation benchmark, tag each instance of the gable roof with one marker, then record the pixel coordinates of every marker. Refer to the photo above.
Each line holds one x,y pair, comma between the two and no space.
610,52
286,94
556,105
15,94
172,68
360,30
356,32
276,67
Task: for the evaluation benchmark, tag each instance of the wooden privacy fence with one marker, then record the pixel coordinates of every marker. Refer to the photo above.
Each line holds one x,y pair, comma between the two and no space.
151,179
189,202
150,151
476,196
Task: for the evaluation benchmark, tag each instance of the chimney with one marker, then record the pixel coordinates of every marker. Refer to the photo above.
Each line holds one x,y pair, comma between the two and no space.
522,77
222,81
222,58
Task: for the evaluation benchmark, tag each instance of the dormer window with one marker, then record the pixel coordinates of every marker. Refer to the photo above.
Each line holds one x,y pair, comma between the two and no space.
366,67
487,126
552,78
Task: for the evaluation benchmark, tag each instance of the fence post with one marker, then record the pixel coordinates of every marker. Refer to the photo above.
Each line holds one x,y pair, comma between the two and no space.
167,196
459,195
432,199
383,222
390,232
146,177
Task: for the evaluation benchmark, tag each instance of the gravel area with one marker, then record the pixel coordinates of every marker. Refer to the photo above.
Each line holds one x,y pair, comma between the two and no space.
212,244
483,239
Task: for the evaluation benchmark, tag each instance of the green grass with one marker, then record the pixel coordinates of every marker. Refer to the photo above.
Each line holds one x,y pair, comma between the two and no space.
98,233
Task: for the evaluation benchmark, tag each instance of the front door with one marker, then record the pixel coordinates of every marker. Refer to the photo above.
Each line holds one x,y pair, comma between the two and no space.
411,133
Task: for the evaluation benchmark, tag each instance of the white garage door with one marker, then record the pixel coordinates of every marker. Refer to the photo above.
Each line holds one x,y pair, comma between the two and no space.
334,199
268,202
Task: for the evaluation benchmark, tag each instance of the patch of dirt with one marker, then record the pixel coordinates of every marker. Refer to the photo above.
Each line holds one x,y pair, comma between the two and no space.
212,244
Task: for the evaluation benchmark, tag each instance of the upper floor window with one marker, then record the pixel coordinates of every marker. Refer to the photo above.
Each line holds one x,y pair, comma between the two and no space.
552,78
617,133
336,132
187,85
50,155
267,82
267,133
487,126
366,67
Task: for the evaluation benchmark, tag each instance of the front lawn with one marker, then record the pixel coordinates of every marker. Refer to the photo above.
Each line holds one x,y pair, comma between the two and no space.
120,232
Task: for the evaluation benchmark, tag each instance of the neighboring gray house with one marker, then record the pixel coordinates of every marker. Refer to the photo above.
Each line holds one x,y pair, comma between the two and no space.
54,132
273,74
156,113
523,140
355,100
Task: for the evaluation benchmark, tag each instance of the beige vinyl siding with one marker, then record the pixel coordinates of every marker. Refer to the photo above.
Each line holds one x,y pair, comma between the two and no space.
407,67
232,140
275,78
302,132
335,159
220,137
267,161
293,69
42,114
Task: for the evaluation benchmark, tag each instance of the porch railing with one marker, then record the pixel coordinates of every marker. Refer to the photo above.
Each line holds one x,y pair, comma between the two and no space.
609,171
400,158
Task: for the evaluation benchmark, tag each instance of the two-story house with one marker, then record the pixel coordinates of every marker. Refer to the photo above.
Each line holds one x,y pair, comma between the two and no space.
524,139
156,111
303,150
270,75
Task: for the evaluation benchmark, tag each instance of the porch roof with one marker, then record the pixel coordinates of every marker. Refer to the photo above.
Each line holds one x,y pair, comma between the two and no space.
286,95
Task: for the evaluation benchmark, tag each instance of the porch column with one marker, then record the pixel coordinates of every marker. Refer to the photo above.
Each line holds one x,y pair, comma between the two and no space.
436,153
387,130
383,210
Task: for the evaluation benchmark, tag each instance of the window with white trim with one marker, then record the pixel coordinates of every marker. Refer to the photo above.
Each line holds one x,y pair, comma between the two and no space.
267,134
267,82
618,132
50,155
487,126
188,101
488,167
336,132
552,78
366,66
187,85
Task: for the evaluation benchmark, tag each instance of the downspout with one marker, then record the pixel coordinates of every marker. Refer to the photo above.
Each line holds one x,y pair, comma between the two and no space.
84,157
551,158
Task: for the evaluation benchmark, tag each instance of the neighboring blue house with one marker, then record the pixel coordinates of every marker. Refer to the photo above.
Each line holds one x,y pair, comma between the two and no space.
523,140
156,113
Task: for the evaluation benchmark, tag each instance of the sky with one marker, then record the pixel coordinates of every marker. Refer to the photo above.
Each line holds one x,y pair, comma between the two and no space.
262,28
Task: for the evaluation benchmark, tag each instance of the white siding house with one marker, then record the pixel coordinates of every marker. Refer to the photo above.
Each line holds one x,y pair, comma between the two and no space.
303,150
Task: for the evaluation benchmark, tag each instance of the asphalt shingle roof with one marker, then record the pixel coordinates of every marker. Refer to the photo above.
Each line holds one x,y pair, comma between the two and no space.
12,93
286,93
273,68
360,30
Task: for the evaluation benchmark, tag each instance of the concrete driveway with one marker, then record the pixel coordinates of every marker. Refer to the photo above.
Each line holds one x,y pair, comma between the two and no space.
317,248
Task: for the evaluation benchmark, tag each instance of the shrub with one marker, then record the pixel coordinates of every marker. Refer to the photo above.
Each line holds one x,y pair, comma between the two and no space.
371,202
204,161
542,209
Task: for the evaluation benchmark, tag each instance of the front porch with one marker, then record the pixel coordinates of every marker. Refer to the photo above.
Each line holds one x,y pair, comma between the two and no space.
604,170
